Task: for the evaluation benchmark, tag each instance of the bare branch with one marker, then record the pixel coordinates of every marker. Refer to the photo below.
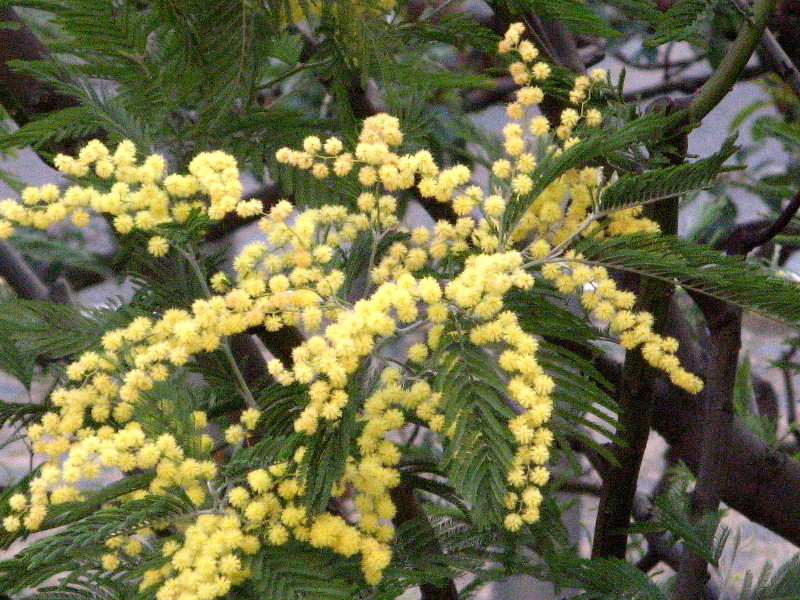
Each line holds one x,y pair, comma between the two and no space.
744,242
635,395
24,97
409,509
725,327
19,274
685,85
761,482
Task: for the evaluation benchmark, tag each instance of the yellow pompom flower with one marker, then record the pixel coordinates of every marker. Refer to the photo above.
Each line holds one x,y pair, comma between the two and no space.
158,246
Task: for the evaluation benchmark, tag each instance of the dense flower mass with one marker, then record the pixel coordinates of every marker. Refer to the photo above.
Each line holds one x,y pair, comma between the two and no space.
424,289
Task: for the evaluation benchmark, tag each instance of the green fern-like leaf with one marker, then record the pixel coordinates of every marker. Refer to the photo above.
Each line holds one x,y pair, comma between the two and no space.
454,29
479,452
435,551
683,21
583,402
699,268
705,536
84,539
325,459
82,587
52,330
781,584
647,128
71,512
16,413
295,572
541,311
577,16
68,123
642,10
42,247
604,579
583,407
16,363
665,182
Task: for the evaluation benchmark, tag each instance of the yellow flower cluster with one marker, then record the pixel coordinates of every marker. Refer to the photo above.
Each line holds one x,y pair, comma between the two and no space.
527,72
560,209
478,291
425,287
142,196
564,209
207,564
600,295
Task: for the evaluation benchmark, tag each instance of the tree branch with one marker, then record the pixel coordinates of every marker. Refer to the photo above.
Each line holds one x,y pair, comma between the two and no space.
635,398
409,509
19,274
753,469
686,85
762,482
24,97
742,233
745,241
732,64
724,321
725,327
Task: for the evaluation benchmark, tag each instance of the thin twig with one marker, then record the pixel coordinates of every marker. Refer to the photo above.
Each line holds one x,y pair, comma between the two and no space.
224,344
791,408
746,244
686,85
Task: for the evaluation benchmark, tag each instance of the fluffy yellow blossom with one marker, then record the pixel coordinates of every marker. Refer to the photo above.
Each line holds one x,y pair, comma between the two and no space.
158,246
235,434
143,196
250,418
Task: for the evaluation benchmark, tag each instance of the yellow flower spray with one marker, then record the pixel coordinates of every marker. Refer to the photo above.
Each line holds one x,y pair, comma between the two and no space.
292,279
